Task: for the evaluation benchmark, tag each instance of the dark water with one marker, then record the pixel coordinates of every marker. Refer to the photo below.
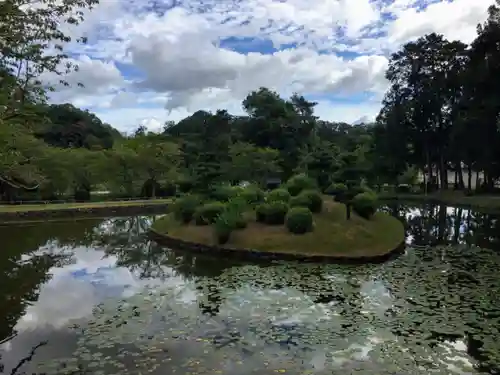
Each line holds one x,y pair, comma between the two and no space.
98,297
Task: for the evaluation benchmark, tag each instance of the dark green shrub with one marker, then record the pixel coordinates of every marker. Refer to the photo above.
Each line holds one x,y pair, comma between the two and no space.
272,213
299,220
82,194
185,207
310,199
224,193
185,185
365,204
276,213
168,189
208,213
225,224
252,194
278,195
315,200
261,212
403,188
336,188
222,231
300,201
151,188
353,189
300,182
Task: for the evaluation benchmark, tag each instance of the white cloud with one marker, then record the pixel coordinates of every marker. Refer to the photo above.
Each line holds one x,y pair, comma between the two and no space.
173,57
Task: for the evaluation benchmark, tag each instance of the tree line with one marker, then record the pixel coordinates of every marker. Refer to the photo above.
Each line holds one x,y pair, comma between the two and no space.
441,111
439,114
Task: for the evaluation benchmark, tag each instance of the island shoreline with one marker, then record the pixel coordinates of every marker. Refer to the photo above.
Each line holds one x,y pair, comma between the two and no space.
252,254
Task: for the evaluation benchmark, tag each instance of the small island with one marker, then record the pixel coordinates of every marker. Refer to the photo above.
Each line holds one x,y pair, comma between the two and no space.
277,224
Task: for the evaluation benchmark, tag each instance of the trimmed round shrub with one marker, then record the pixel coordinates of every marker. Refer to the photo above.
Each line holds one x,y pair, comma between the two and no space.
315,200
224,193
272,213
208,213
310,199
252,194
299,201
365,204
299,220
300,182
276,213
185,207
336,188
278,195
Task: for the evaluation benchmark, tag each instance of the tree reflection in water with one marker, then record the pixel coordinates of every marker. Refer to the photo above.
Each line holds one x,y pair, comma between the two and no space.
28,253
432,225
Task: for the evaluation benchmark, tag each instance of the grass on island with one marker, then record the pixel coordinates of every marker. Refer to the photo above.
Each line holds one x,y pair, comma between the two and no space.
449,197
333,235
69,206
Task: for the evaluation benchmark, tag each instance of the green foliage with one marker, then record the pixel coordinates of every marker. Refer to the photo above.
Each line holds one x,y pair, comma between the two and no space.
230,219
299,220
224,193
252,194
336,188
365,204
82,194
408,177
300,182
224,225
310,199
185,184
184,208
237,204
71,127
250,163
437,114
403,188
278,195
208,213
25,55
273,213
261,212
168,189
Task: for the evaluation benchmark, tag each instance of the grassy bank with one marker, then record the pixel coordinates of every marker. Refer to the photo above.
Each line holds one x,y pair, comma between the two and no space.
78,206
452,198
333,235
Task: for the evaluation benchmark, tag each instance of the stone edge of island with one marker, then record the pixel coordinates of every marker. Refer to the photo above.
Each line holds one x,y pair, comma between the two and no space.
251,254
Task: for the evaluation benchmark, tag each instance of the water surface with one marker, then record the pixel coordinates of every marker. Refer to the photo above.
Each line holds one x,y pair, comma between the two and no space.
98,297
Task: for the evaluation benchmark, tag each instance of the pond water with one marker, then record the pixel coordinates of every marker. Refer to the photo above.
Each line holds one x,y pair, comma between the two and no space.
98,297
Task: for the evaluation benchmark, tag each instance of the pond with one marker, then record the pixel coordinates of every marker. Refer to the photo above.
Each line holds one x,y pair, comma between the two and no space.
97,296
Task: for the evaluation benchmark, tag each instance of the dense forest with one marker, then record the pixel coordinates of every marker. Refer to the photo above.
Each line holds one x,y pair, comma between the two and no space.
440,114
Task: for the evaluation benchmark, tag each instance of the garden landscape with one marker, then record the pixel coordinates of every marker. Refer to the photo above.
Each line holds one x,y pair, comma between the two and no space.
269,242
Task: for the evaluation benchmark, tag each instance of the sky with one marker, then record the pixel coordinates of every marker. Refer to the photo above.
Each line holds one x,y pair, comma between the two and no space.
149,61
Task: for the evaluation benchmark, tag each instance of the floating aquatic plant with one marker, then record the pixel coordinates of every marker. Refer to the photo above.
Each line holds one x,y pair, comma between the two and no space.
430,311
